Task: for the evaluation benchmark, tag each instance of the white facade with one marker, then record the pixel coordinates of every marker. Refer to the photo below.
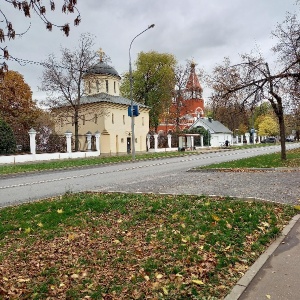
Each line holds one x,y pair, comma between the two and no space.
219,133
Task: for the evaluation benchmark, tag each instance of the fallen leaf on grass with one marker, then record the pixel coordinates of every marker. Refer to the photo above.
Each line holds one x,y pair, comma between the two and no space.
200,282
59,211
215,218
268,296
23,280
166,292
74,276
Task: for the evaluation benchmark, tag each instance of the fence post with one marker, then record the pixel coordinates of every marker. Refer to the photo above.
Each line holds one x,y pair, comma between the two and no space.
97,136
32,134
89,140
169,140
148,141
155,141
192,142
247,134
68,135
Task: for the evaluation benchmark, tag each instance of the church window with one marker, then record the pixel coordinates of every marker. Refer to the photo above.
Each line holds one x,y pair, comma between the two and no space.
122,140
124,119
96,119
115,87
106,83
112,118
143,123
72,121
83,119
97,86
89,87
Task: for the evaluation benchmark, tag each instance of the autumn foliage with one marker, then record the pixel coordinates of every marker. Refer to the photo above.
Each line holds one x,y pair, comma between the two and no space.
121,246
17,107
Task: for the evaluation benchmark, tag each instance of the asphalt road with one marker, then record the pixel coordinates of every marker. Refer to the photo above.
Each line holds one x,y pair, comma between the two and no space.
167,175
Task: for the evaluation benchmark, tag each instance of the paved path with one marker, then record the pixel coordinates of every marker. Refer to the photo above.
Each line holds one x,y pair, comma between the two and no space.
275,275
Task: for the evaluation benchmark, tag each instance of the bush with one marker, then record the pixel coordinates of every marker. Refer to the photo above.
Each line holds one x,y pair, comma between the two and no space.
7,139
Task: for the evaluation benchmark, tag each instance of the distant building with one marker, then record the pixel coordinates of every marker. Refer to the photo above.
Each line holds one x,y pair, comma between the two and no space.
218,133
187,105
103,110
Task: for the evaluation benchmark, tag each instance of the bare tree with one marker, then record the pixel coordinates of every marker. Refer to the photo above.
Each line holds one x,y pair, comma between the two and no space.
27,8
63,80
255,79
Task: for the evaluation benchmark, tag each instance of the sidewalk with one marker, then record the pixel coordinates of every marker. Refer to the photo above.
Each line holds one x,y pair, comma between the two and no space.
275,275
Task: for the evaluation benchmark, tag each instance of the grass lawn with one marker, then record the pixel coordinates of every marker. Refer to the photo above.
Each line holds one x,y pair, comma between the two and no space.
123,246
263,161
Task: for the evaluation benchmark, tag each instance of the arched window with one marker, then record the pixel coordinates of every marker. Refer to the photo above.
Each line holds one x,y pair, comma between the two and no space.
106,83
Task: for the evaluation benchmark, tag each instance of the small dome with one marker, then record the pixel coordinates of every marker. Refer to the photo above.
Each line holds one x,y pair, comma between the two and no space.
103,69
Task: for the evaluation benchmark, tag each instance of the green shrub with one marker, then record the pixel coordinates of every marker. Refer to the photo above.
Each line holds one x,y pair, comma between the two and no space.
7,139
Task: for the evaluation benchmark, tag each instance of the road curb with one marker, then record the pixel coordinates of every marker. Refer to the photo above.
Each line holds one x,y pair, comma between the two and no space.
242,284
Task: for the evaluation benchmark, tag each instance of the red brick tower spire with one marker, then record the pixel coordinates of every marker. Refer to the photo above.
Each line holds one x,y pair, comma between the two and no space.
193,87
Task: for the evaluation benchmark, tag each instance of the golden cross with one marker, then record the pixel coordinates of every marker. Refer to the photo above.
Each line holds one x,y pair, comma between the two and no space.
101,54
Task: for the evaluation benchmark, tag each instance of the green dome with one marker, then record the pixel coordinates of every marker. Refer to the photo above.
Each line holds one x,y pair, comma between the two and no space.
102,68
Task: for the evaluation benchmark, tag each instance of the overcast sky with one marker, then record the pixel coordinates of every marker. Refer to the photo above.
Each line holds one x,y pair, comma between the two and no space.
203,30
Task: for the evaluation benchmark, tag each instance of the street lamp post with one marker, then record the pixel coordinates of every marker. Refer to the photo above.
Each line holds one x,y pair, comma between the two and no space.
131,97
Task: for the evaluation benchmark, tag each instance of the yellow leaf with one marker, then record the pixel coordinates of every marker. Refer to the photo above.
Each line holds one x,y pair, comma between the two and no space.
23,280
74,276
120,221
229,226
159,276
200,282
27,230
268,296
183,225
147,278
266,224
184,240
5,278
117,242
166,292
215,218
297,207
59,211
71,236
40,224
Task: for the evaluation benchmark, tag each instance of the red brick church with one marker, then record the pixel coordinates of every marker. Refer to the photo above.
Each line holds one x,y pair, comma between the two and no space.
187,106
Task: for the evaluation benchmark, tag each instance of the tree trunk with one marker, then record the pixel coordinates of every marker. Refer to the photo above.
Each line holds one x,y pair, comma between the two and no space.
282,136
278,109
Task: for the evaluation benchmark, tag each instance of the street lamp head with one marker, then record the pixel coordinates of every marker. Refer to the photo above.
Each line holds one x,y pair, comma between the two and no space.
151,26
